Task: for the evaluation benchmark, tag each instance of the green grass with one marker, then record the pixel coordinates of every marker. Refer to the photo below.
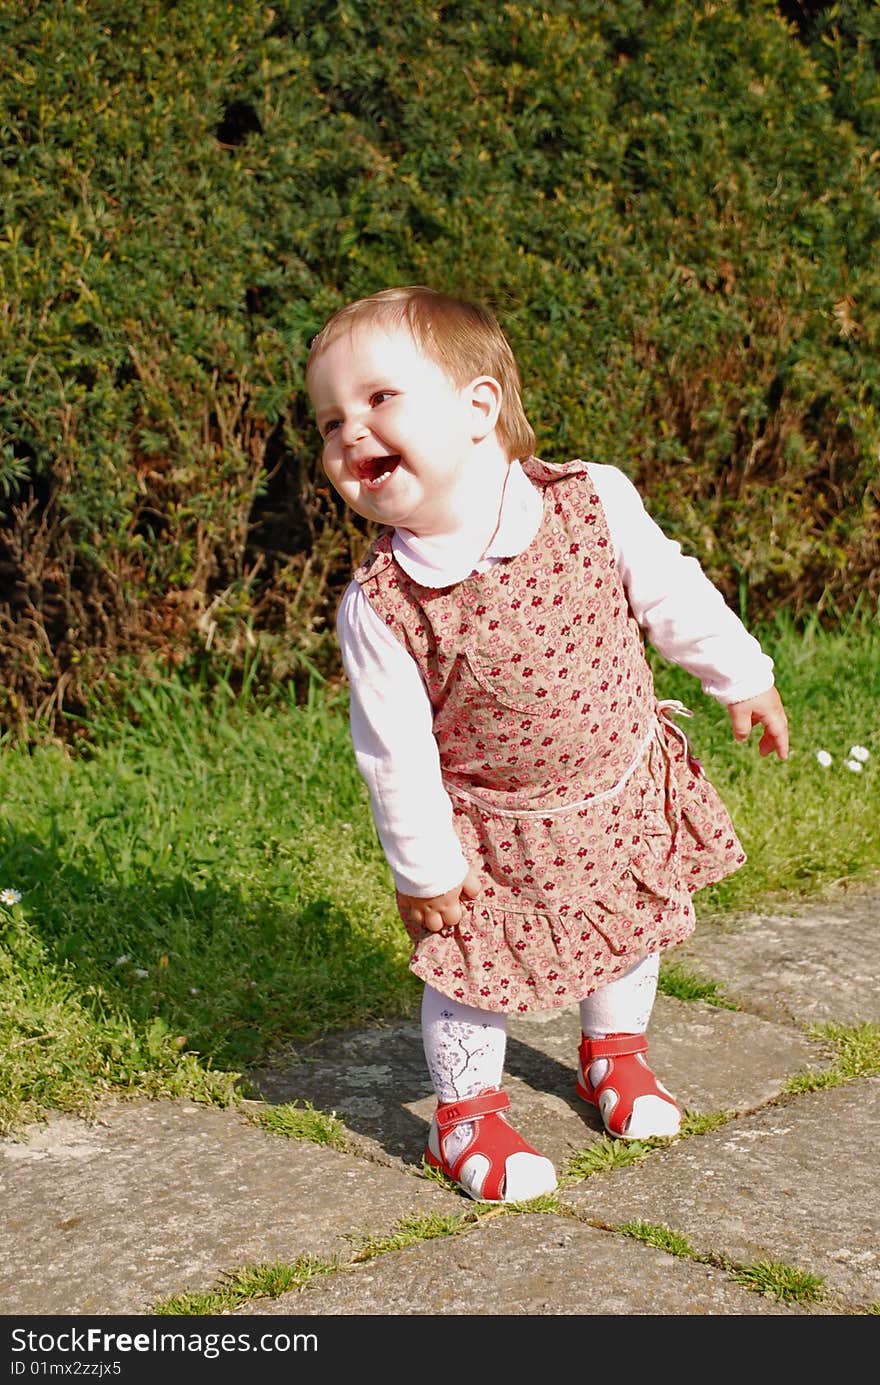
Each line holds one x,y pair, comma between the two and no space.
786,1283
854,1051
701,1123
197,888
660,1237
411,1230
244,1285
676,980
295,1121
201,882
606,1154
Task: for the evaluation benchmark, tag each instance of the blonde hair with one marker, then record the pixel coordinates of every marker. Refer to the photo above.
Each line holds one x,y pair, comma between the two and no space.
463,338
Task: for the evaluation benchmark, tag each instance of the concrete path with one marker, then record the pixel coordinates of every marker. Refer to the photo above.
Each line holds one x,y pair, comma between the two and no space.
152,1200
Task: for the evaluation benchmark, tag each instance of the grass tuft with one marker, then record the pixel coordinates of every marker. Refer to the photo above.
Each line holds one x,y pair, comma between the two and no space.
855,1052
606,1154
245,1284
783,1282
549,1203
300,1121
676,981
701,1123
438,1176
410,1231
659,1236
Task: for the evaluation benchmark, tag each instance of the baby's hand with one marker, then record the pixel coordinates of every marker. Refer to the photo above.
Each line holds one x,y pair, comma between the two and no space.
442,909
766,710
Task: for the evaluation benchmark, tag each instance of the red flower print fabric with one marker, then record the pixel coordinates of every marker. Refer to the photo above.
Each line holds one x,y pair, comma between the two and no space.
574,792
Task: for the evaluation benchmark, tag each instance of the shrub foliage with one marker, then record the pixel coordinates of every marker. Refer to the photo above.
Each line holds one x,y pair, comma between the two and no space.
673,207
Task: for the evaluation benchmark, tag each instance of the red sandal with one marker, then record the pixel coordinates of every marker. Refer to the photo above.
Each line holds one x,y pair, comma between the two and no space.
634,1105
496,1165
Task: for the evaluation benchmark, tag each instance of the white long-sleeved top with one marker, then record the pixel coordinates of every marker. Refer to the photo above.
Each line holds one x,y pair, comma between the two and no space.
680,611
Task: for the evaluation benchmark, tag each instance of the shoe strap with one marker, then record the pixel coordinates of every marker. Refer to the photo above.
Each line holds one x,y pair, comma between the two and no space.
453,1112
612,1046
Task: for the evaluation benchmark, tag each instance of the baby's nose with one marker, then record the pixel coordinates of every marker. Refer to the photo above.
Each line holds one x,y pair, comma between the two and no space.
353,430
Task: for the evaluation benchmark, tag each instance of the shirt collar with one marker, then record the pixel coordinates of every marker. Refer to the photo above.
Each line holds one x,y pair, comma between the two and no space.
441,560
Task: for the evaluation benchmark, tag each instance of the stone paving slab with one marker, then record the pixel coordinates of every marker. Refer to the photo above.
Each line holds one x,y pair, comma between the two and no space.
529,1264
795,1183
159,1198
815,965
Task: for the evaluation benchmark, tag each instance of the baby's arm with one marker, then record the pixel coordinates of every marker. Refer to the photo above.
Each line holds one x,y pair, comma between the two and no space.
397,755
686,617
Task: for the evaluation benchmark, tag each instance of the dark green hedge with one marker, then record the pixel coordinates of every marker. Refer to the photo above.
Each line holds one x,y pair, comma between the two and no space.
672,206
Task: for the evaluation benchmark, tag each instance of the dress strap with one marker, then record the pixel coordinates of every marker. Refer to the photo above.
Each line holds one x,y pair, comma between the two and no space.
667,710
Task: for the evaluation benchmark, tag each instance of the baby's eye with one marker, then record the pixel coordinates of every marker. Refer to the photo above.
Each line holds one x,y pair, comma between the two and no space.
380,396
329,427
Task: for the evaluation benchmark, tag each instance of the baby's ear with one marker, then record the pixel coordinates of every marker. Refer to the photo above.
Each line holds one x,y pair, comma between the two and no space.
486,397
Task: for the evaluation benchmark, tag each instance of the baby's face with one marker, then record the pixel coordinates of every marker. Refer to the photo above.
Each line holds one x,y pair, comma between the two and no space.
397,430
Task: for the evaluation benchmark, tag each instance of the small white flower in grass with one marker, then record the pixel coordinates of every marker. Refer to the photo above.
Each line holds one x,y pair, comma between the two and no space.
193,990
10,896
121,961
854,766
858,752
824,758
141,971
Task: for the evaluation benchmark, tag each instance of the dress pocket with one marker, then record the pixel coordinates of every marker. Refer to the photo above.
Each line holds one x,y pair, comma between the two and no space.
509,679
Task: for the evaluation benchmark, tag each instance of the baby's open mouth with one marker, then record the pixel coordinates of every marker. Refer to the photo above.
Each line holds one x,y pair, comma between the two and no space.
376,470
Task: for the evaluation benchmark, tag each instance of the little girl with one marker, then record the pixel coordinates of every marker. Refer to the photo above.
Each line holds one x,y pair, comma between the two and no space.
542,814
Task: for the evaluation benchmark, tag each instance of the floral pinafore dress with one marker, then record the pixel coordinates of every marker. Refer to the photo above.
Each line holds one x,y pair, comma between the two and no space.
574,791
